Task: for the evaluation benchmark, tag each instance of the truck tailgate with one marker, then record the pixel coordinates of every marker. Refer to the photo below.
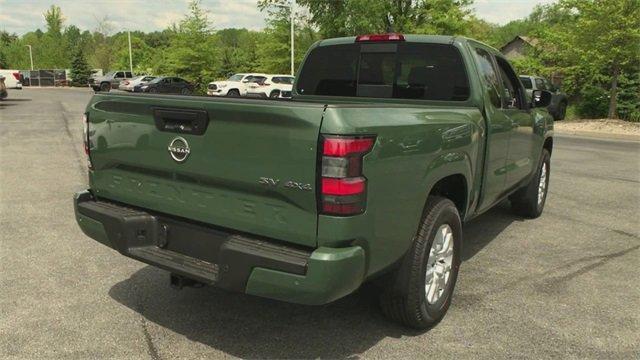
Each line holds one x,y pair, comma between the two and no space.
247,165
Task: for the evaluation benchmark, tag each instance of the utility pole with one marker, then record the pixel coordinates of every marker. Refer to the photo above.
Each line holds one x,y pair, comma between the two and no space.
30,55
292,37
291,20
130,56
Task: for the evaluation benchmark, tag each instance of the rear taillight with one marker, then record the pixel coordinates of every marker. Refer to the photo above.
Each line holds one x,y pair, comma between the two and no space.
343,187
85,139
380,37
16,75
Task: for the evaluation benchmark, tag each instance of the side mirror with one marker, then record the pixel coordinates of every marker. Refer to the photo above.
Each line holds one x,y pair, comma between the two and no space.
541,98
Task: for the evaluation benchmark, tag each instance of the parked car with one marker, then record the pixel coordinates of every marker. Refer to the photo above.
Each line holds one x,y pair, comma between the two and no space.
166,85
272,86
109,81
388,145
236,85
559,100
3,87
129,85
11,78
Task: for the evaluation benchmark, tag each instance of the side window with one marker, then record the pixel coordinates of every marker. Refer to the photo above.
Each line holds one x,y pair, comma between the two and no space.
512,92
540,85
128,74
526,82
119,75
490,75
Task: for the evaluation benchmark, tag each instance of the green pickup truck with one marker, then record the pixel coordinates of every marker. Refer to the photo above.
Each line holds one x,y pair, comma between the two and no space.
389,144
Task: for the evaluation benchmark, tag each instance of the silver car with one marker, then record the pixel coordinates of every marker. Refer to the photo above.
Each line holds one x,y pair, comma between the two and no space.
129,85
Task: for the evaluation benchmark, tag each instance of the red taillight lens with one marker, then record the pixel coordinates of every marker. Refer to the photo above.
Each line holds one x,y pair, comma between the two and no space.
346,146
342,184
346,186
380,37
16,75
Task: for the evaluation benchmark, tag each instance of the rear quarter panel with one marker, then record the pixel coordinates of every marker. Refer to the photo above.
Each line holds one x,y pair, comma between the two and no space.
415,147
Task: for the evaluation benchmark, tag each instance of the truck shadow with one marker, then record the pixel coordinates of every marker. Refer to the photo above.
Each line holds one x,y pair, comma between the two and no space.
251,327
480,231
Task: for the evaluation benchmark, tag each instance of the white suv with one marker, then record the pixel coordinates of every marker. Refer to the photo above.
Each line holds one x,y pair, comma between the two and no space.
236,85
272,86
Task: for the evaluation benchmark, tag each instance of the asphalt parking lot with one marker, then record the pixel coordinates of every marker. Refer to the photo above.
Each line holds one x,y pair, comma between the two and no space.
564,286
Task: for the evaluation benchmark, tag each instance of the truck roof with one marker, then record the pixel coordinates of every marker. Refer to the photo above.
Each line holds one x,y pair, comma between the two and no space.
416,38
439,39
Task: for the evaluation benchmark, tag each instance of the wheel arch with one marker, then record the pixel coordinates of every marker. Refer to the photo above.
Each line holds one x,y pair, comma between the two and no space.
453,187
548,144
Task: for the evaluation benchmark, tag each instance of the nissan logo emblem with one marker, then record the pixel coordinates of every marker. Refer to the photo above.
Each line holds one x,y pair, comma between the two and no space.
179,149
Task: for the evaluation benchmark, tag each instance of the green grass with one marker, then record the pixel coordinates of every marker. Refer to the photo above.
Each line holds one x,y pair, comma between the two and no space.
572,113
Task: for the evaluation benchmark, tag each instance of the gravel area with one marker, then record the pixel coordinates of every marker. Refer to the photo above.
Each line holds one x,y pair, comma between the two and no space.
599,126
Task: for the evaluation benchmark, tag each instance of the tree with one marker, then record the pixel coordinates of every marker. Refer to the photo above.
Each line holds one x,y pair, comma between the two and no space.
604,38
193,51
80,70
54,19
353,17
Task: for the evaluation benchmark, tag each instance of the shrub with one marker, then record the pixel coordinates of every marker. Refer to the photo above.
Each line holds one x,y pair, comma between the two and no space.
594,102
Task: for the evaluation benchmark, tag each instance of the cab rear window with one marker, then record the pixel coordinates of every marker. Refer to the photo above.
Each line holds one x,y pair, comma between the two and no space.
386,70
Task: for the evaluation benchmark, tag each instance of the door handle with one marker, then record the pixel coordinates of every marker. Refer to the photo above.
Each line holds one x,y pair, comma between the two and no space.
182,121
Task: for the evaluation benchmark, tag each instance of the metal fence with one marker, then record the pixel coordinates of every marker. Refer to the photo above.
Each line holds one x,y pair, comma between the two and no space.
55,77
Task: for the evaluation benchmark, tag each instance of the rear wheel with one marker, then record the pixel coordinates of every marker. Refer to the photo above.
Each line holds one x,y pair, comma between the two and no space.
274,94
419,293
105,87
233,93
529,201
185,91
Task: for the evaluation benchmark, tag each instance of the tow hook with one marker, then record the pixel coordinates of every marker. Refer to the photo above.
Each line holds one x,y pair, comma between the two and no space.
178,282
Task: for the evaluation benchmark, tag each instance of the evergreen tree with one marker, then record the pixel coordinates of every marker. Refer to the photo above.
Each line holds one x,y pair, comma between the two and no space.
80,70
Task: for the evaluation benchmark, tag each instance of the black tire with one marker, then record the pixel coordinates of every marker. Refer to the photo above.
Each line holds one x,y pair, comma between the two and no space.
561,112
274,94
153,90
185,91
404,299
105,87
525,202
233,93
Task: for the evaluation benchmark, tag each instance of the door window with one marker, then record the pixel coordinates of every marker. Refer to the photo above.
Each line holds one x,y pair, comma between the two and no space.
128,74
490,75
526,82
540,85
512,92
119,75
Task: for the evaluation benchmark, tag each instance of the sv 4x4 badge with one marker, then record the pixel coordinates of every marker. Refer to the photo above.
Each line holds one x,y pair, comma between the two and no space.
271,182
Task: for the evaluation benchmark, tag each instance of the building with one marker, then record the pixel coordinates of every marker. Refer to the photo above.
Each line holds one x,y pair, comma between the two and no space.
519,47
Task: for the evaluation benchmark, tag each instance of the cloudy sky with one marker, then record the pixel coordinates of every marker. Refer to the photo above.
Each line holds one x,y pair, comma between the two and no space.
21,16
